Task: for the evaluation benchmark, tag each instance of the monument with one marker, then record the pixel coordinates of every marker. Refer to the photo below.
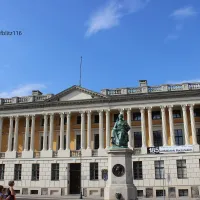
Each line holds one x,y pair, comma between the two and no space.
120,173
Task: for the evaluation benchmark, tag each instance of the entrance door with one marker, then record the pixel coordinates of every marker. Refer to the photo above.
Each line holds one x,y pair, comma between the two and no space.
75,178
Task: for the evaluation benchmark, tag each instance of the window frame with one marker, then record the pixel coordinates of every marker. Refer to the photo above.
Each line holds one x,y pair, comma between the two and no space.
114,117
18,172
136,116
94,171
35,175
137,141
159,169
177,114
182,190
198,135
181,169
78,119
96,119
156,115
55,171
178,138
137,170
2,171
160,191
157,141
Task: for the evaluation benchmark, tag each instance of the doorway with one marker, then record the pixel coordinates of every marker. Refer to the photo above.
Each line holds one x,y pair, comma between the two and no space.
75,178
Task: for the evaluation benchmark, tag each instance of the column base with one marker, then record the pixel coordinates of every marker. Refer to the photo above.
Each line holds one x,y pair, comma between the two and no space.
10,154
102,152
86,152
64,153
196,148
27,154
46,153
143,150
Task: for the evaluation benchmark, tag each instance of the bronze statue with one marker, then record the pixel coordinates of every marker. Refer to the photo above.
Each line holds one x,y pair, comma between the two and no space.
120,133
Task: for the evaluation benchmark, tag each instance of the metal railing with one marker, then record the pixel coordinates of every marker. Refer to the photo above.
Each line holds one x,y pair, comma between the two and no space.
75,153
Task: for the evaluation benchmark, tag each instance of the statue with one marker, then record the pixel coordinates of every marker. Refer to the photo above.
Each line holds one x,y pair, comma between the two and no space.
120,130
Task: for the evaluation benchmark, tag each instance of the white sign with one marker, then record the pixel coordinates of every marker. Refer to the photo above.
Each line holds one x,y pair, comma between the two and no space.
170,149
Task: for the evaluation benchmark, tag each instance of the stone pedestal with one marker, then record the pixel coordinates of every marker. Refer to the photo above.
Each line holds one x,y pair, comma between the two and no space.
10,154
64,153
27,154
120,175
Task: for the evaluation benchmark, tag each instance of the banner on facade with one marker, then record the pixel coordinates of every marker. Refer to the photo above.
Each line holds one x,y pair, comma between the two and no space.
170,149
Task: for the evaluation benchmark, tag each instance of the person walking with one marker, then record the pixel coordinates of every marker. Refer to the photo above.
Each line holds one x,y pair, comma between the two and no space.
2,196
10,191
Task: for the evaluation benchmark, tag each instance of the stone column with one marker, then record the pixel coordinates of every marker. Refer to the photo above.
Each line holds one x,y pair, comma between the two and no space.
171,124
89,130
26,134
193,126
61,131
68,131
51,131
151,142
15,148
1,129
101,133
143,127
45,132
164,126
107,129
82,130
185,122
131,139
10,134
32,148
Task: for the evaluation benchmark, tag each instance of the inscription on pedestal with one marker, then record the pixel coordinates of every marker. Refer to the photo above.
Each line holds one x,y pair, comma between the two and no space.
118,170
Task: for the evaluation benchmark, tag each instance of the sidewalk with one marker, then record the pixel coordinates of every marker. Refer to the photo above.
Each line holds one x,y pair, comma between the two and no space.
39,197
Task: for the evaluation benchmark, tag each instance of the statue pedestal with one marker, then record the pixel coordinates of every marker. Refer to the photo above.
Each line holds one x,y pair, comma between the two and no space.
120,175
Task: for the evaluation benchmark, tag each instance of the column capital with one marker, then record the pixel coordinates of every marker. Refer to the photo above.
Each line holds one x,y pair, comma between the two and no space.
61,114
162,108
128,109
51,114
149,108
11,117
142,109
89,112
68,113
82,112
107,111
170,106
100,111
184,106
191,106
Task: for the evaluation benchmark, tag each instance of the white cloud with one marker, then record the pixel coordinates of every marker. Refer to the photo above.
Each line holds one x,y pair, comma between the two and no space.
110,15
22,90
183,13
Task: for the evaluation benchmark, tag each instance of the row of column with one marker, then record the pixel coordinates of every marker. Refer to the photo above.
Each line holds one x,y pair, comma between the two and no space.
101,130
171,125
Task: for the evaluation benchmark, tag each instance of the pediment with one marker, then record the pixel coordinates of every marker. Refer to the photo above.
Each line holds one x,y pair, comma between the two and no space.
76,93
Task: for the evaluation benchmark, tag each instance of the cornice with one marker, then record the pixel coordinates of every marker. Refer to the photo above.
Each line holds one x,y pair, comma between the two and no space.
110,99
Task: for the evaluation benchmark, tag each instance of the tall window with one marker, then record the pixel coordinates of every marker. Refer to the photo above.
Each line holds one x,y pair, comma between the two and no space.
178,137
78,119
2,170
137,170
159,169
115,117
64,142
181,169
12,146
35,172
93,171
176,114
137,139
183,193
55,171
78,142
17,172
198,135
96,119
137,116
96,141
156,115
65,120
157,138
41,142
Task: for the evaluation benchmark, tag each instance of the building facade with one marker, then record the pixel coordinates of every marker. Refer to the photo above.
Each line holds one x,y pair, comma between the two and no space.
56,144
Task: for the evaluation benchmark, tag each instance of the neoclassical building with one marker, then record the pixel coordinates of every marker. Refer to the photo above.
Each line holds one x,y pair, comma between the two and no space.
56,144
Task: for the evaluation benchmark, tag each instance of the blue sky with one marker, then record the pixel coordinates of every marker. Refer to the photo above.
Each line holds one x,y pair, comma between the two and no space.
121,42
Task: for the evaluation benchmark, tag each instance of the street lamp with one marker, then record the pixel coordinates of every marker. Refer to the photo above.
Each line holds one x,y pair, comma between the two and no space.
81,196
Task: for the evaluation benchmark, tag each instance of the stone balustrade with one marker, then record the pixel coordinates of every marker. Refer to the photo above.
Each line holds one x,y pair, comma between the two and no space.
152,89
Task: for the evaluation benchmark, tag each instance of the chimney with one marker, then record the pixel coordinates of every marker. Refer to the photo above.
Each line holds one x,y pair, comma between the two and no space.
36,93
143,83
